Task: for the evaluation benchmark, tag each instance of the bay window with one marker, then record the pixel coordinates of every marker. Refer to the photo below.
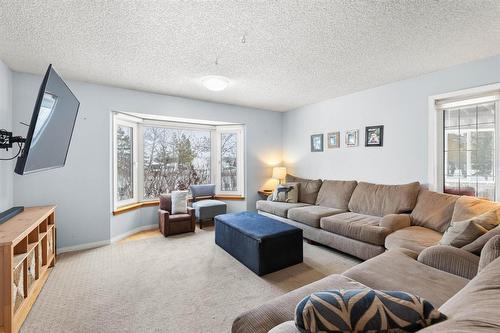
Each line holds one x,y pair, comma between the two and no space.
152,157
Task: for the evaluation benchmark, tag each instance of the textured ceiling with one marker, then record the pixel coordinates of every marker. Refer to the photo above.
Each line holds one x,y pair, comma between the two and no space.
296,52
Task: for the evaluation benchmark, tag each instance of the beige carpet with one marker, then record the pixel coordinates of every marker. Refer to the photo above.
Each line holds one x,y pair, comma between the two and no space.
182,284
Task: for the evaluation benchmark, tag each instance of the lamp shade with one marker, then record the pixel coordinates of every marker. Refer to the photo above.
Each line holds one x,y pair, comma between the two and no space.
279,173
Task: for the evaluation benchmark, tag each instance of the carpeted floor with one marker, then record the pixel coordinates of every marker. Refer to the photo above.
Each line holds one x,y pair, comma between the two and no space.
182,284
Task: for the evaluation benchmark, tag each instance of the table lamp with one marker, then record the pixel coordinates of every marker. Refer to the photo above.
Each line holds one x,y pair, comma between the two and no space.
279,173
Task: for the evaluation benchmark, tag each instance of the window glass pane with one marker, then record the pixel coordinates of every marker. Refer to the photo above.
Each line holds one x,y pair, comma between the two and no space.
229,166
124,163
486,113
469,151
174,159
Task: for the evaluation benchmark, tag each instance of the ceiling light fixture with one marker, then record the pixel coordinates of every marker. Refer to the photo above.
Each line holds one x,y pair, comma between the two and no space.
215,82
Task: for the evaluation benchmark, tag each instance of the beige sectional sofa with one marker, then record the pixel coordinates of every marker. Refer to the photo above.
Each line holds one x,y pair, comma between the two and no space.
349,216
470,305
398,229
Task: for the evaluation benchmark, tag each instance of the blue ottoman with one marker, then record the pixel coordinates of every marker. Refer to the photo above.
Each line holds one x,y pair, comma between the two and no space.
206,210
261,243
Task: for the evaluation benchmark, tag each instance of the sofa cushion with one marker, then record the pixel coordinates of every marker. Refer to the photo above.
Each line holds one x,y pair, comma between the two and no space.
281,309
477,245
286,327
311,215
277,208
413,238
475,307
463,232
380,200
468,207
490,252
308,188
357,226
336,193
396,270
364,310
433,210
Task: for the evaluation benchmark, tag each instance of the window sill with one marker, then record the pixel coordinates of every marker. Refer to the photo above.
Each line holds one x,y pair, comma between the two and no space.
137,205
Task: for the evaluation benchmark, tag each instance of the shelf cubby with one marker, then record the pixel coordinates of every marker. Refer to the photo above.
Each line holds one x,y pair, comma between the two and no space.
27,253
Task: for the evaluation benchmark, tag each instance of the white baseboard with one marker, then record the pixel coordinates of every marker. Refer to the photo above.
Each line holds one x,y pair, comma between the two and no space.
133,231
85,246
117,238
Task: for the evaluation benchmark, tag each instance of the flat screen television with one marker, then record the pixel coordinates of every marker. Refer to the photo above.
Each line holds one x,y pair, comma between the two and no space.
51,126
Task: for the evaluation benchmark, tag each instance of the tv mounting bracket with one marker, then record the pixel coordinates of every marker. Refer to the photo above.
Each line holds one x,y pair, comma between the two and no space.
7,139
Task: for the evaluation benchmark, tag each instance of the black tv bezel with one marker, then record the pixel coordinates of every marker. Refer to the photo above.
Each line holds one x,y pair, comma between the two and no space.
21,161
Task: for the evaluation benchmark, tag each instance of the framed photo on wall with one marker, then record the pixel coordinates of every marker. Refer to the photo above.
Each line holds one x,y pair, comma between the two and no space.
374,136
316,143
333,140
352,138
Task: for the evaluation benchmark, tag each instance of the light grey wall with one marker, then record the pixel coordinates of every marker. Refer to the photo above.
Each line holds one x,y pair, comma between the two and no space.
82,189
401,107
6,167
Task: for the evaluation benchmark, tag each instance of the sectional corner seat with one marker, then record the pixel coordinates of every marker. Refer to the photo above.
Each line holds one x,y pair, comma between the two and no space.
364,219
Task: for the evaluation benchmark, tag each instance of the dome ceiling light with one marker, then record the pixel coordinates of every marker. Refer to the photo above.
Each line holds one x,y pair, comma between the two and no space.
215,82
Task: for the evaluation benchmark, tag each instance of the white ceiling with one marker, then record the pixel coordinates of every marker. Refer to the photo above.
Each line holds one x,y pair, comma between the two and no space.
296,52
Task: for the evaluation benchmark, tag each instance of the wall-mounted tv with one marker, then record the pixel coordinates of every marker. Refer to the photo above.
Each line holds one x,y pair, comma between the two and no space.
51,126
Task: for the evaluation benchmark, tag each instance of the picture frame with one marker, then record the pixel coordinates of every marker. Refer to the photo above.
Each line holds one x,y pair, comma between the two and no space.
333,140
316,143
374,136
352,138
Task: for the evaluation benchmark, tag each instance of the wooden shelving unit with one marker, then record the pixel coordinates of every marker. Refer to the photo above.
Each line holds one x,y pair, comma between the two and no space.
27,255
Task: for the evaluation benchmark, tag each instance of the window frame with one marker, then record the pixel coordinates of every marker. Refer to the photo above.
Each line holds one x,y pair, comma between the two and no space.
138,125
121,121
239,131
436,106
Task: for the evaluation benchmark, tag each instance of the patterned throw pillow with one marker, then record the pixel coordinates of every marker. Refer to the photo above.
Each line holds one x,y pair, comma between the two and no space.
286,193
364,310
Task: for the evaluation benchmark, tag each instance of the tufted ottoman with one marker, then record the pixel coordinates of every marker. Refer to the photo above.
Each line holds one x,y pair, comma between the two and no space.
261,243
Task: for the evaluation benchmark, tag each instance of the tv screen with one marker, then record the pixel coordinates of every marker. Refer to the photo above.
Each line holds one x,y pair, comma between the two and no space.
51,126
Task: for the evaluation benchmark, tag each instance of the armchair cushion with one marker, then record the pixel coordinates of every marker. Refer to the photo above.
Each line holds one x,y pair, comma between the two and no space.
450,259
395,222
179,202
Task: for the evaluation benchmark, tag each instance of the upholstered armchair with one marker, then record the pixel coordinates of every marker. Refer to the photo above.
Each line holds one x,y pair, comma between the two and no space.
204,203
173,224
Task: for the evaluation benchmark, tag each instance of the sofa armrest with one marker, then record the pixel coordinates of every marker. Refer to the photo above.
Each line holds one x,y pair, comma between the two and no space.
450,259
395,222
163,217
490,252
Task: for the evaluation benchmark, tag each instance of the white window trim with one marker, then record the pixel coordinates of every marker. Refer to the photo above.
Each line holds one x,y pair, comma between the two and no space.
138,125
435,132
117,121
239,130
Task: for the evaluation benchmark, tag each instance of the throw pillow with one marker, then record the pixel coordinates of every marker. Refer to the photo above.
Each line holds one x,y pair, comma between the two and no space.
286,193
364,310
462,233
179,202
477,245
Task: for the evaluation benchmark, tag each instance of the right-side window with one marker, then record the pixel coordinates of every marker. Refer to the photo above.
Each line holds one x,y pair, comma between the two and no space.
469,150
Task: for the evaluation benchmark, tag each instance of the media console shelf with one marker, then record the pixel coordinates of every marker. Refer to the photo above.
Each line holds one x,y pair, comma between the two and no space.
27,255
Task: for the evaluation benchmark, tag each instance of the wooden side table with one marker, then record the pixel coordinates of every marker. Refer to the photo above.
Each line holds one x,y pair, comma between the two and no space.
264,193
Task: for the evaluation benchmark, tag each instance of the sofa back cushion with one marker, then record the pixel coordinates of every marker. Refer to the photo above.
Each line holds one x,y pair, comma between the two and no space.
433,210
380,200
336,193
475,307
467,207
308,188
490,252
